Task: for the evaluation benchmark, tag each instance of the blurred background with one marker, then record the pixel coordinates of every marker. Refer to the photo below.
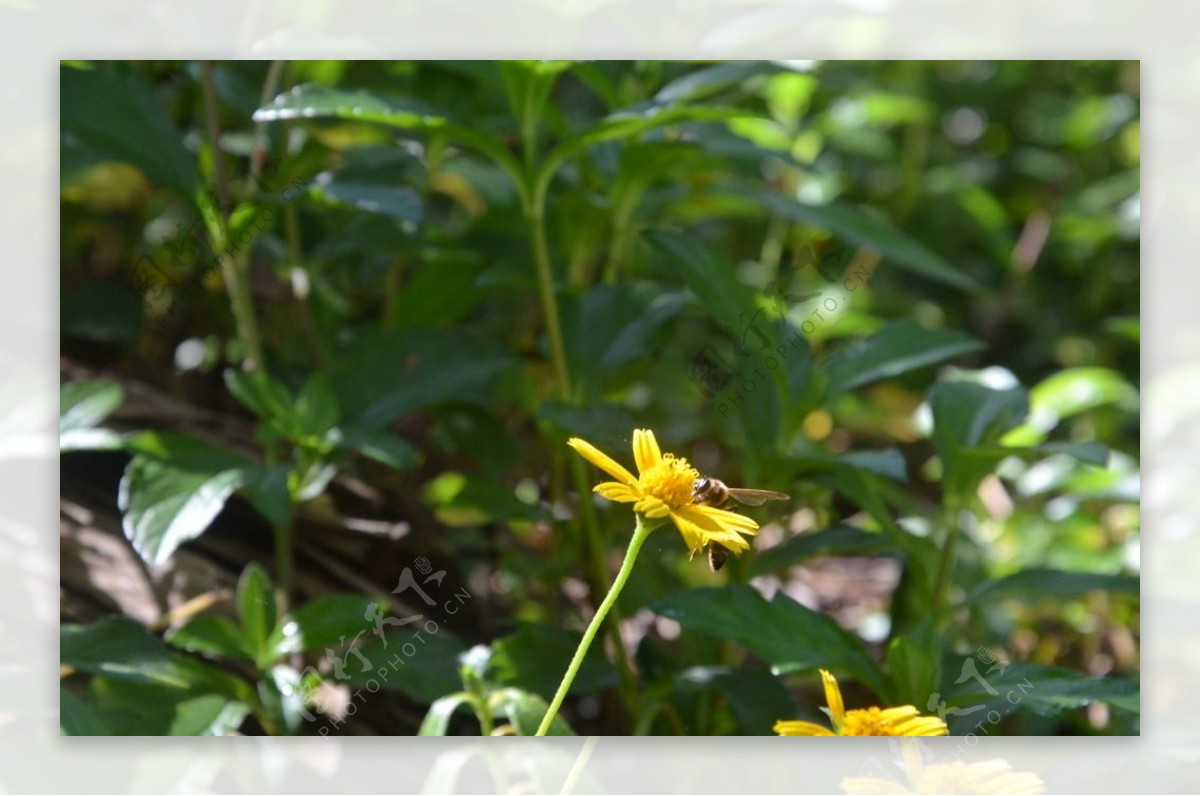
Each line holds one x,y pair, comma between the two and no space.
328,323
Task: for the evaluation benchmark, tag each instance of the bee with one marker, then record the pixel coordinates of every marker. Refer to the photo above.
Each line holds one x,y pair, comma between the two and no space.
712,492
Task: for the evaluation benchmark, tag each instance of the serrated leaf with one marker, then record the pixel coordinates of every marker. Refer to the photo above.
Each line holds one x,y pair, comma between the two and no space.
782,632
900,346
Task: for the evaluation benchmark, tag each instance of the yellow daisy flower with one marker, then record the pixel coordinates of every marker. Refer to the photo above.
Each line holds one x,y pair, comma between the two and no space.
904,720
662,489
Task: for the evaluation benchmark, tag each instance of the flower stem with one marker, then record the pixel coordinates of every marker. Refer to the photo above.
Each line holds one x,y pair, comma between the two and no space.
640,532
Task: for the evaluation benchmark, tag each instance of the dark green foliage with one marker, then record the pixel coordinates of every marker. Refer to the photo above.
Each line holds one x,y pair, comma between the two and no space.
906,295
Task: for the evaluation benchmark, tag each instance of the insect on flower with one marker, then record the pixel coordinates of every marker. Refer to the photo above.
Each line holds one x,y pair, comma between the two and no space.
713,492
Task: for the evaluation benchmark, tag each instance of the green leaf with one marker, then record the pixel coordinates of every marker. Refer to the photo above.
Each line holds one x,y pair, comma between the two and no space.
256,610
899,347
153,710
914,661
837,540
712,280
437,720
526,711
262,395
398,202
634,121
76,718
267,489
1068,393
968,421
325,622
463,501
213,635
314,102
382,377
316,410
281,694
423,666
118,648
782,632
861,227
1086,452
382,446
112,113
711,80
604,424
1046,690
756,697
1032,584
611,326
165,506
83,405
535,657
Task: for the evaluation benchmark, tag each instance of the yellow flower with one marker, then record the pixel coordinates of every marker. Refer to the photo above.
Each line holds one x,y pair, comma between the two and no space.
662,489
905,720
984,777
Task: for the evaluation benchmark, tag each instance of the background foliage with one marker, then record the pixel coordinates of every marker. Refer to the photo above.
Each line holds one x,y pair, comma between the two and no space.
341,317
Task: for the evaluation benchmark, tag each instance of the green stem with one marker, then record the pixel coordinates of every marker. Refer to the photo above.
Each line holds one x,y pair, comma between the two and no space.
284,563
946,564
234,265
640,533
541,257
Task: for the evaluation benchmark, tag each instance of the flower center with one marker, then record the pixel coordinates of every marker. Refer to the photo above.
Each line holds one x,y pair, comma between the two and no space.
868,721
670,481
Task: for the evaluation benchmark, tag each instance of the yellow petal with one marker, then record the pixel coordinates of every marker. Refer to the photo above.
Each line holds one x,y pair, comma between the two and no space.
728,518
645,449
620,493
652,507
709,527
833,698
800,728
601,459
907,720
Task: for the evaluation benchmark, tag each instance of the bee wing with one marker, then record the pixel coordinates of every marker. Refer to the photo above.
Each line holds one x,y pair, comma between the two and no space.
756,497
